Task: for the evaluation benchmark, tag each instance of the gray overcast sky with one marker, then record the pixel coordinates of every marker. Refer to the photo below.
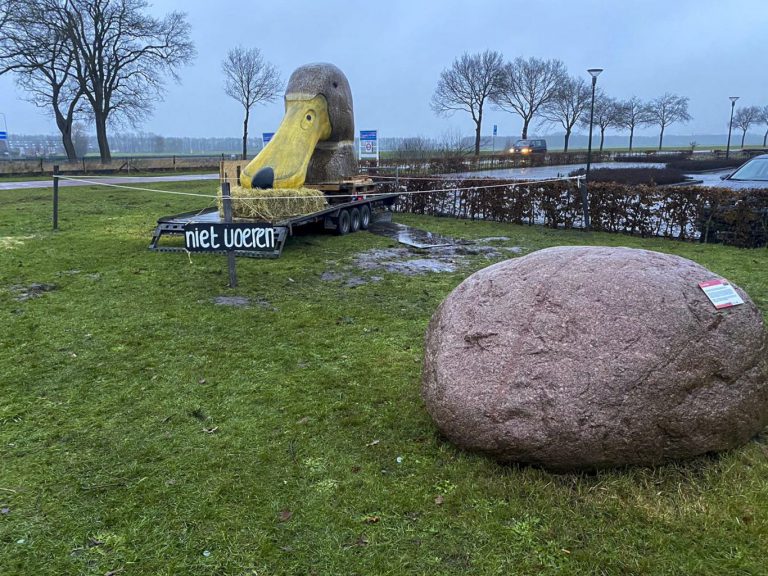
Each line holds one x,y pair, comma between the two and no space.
393,52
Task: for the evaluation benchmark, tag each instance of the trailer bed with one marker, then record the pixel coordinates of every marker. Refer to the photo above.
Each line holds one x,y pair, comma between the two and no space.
332,218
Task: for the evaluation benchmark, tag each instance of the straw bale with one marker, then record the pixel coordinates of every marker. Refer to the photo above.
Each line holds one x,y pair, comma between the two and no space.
273,204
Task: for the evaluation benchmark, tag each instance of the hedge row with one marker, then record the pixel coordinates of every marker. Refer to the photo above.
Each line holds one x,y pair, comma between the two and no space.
634,176
682,212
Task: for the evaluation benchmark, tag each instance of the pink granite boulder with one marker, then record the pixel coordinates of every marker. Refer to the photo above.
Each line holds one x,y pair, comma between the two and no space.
587,357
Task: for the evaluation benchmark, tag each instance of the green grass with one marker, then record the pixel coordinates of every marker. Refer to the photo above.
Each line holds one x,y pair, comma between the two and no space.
145,430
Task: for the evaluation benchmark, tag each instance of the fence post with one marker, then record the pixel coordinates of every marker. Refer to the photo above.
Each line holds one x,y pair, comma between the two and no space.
227,201
56,197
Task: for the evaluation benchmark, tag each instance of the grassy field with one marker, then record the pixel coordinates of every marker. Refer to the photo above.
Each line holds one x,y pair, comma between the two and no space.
145,429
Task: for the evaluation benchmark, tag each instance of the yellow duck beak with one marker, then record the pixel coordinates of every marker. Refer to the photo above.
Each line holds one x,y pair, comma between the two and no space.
284,160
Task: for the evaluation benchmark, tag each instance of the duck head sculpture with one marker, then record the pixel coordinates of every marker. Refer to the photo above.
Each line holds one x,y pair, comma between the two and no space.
315,140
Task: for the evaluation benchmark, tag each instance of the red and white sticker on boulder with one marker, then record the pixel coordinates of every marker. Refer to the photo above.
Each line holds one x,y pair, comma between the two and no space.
721,293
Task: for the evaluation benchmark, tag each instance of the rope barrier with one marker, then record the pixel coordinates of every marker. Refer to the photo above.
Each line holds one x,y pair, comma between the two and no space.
512,184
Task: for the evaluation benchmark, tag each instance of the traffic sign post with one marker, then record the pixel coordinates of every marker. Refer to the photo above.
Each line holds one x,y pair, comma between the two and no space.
369,144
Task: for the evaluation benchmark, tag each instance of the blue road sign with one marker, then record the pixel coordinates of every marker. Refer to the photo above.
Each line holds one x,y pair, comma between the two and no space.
494,129
368,134
266,137
3,135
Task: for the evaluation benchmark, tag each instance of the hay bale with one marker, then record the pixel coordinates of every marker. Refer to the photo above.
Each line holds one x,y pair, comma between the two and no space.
273,204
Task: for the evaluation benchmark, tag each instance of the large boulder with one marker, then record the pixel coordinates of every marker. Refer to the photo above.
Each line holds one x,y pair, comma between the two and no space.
589,357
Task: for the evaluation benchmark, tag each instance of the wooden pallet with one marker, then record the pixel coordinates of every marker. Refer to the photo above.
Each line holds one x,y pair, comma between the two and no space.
355,185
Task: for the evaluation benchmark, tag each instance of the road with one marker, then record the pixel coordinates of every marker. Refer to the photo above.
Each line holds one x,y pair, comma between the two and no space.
32,184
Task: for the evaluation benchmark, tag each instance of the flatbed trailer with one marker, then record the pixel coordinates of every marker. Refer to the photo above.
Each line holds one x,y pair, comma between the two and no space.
342,217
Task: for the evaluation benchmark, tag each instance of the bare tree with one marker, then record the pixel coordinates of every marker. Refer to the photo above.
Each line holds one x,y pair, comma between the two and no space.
121,56
607,115
452,144
249,80
764,120
36,49
467,85
633,113
7,8
80,139
414,148
744,118
571,101
666,110
527,85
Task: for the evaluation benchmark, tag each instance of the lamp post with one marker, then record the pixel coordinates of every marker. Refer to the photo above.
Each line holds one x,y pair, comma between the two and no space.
594,72
730,124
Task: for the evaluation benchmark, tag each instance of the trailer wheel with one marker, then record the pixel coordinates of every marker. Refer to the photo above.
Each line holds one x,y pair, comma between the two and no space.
343,223
365,217
354,217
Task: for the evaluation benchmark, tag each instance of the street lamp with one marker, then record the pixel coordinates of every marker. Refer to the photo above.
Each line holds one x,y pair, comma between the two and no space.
594,72
730,124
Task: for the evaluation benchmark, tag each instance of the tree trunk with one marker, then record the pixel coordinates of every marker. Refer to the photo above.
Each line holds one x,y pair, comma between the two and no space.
526,121
477,137
245,134
743,135
765,138
661,137
631,135
65,127
567,137
602,140
101,138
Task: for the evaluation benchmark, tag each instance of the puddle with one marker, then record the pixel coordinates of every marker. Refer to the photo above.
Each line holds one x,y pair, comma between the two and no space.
24,293
434,260
401,260
410,236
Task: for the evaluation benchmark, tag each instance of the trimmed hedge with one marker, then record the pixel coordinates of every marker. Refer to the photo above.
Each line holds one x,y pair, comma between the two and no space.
707,164
634,176
652,156
733,217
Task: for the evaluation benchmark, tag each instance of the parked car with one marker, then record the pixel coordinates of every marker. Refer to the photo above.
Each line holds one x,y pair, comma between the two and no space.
537,146
752,174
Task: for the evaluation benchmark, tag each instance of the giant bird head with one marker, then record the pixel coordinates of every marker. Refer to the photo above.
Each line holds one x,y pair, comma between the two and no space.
316,134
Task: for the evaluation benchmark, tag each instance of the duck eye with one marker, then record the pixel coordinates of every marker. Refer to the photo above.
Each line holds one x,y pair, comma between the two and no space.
309,117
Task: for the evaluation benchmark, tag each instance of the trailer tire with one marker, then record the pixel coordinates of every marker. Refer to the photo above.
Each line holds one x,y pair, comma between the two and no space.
365,217
343,223
354,220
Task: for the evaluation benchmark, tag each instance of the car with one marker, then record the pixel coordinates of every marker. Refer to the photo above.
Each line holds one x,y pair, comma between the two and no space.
752,174
526,146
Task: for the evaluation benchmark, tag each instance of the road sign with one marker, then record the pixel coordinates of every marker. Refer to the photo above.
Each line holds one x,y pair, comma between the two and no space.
3,135
266,137
369,144
494,129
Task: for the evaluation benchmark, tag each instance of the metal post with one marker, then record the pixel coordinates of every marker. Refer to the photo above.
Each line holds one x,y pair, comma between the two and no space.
591,117
227,200
584,189
730,125
56,197
594,72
